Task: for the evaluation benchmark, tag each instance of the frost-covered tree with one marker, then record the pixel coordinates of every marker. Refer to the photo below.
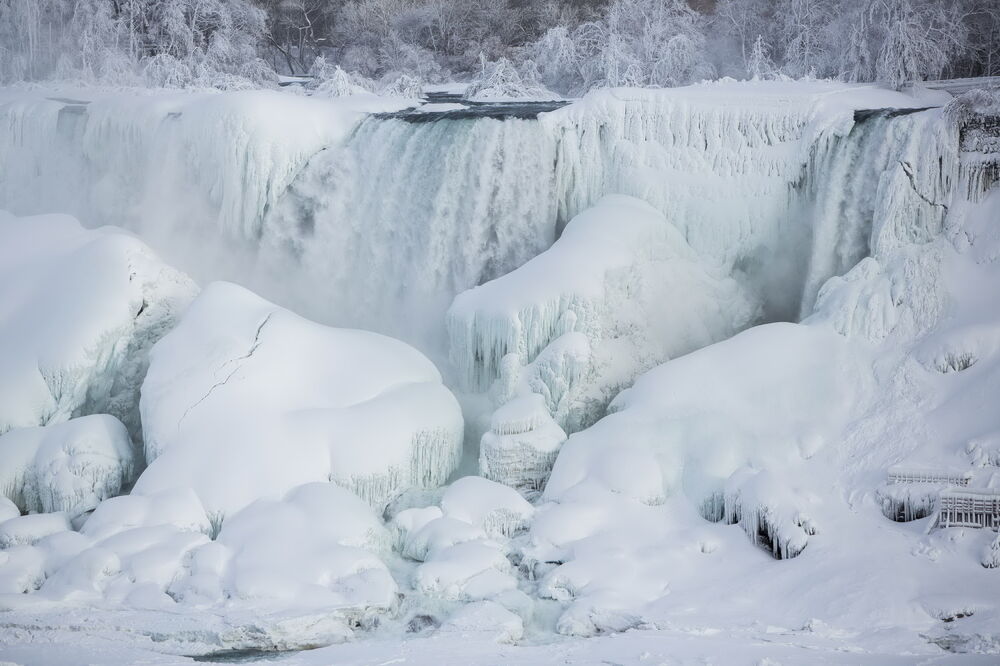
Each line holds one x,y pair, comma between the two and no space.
760,65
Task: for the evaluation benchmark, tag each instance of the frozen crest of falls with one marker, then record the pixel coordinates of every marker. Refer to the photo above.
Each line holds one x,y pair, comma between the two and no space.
379,222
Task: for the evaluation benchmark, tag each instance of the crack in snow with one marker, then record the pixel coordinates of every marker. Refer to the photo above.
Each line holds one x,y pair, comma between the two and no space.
250,352
908,170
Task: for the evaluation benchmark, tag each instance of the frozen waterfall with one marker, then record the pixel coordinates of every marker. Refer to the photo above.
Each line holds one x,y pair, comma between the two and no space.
364,220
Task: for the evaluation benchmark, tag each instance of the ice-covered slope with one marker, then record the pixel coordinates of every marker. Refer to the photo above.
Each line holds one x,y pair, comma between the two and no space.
79,311
245,400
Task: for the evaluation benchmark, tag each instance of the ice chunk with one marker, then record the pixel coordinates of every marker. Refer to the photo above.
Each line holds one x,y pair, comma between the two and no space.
522,445
498,509
69,467
246,400
79,311
485,619
26,530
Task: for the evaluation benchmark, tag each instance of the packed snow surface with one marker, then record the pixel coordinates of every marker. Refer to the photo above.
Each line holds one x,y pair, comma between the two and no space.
245,400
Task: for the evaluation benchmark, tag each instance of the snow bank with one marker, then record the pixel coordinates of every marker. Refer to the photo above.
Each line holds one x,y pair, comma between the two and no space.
521,445
245,400
334,563
691,423
79,311
621,275
67,467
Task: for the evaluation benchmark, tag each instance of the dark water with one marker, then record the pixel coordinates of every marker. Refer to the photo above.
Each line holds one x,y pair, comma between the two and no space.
496,110
248,656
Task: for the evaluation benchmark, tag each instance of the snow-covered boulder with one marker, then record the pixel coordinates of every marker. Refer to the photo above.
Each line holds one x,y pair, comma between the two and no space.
26,530
468,571
485,619
179,507
521,445
79,311
623,277
496,508
245,400
318,546
69,466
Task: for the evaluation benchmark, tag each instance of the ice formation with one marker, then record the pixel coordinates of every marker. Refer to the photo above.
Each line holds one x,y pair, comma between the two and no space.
80,310
521,445
245,400
621,275
68,467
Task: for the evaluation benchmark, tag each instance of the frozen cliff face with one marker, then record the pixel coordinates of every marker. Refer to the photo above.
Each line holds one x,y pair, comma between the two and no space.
79,311
620,275
68,467
245,400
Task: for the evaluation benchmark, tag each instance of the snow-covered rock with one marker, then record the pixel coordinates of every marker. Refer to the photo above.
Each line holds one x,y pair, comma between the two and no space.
69,466
621,275
496,508
26,530
467,571
485,619
318,546
79,311
8,509
179,507
521,445
245,400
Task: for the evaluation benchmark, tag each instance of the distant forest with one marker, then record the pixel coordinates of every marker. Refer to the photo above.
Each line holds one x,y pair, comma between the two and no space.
565,46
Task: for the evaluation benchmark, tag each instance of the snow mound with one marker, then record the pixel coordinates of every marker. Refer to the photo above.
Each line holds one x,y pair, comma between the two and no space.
26,530
334,563
178,508
496,508
621,275
68,467
485,619
692,422
245,400
79,311
8,509
467,571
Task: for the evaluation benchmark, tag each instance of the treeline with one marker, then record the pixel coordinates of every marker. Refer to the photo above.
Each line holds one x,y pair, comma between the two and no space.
567,46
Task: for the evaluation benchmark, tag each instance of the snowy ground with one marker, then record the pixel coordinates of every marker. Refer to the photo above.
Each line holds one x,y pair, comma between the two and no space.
731,505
